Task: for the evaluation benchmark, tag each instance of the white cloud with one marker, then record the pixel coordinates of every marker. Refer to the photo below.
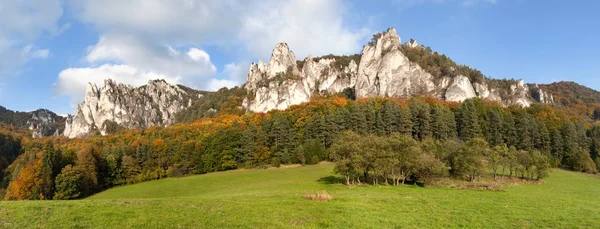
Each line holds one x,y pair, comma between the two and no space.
164,38
474,2
408,3
309,27
233,75
178,21
192,65
30,52
21,22
216,84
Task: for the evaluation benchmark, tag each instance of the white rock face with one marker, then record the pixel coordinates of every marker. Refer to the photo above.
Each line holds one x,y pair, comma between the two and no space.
280,84
484,92
41,123
153,104
460,90
385,71
412,43
541,96
520,95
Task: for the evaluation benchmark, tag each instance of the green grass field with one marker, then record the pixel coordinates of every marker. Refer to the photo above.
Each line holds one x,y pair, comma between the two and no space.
272,198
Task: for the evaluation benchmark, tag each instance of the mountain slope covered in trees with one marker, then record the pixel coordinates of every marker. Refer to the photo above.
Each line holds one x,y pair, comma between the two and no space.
308,134
575,98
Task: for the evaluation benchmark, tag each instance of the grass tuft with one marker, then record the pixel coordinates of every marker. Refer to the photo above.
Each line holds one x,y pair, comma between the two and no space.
319,196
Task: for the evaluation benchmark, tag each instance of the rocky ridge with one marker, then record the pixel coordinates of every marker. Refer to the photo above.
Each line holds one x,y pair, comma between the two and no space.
282,83
42,123
118,105
383,70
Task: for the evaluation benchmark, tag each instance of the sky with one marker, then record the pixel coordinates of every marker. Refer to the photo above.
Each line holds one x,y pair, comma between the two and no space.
51,49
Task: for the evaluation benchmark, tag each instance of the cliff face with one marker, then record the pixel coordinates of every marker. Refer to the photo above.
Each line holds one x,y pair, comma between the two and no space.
282,83
383,70
117,104
42,123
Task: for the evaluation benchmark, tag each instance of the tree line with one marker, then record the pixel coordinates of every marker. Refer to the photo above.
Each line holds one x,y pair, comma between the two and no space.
59,168
398,158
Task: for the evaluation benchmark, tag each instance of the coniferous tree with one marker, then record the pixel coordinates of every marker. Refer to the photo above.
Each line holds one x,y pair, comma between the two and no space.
50,168
557,145
544,139
390,117
524,129
467,121
405,120
421,120
359,120
496,130
509,130
569,135
380,127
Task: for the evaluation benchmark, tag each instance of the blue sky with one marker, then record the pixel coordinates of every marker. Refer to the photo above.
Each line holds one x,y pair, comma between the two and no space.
50,49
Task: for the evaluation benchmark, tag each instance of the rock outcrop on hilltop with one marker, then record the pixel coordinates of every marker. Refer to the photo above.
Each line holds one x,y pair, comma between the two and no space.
382,70
283,82
42,123
125,106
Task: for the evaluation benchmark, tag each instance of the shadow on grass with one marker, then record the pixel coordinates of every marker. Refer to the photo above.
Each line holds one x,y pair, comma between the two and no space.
331,180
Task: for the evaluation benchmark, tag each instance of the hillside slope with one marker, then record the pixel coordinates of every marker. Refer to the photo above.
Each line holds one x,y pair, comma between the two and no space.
574,97
271,198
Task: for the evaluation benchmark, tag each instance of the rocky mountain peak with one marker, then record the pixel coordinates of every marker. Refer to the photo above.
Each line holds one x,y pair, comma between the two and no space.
412,43
284,81
281,59
118,105
41,123
385,71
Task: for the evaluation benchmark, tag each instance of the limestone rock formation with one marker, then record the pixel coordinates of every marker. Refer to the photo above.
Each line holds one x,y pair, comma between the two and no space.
541,96
117,104
42,123
284,81
484,92
383,70
460,90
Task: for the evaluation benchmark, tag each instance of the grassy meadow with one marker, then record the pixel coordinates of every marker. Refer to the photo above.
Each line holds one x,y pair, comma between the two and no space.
272,198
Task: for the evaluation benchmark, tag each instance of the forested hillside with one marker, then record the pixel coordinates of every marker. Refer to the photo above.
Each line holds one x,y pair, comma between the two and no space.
459,140
10,149
575,98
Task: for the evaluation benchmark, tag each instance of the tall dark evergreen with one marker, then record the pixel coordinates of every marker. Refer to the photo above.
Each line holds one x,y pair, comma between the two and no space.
421,119
523,125
509,130
467,121
405,120
496,128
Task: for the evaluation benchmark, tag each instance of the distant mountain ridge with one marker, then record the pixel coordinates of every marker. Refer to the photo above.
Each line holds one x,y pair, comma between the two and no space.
40,122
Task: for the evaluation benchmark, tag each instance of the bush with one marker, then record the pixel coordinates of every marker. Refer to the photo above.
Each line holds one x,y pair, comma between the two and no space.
275,162
178,170
69,184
